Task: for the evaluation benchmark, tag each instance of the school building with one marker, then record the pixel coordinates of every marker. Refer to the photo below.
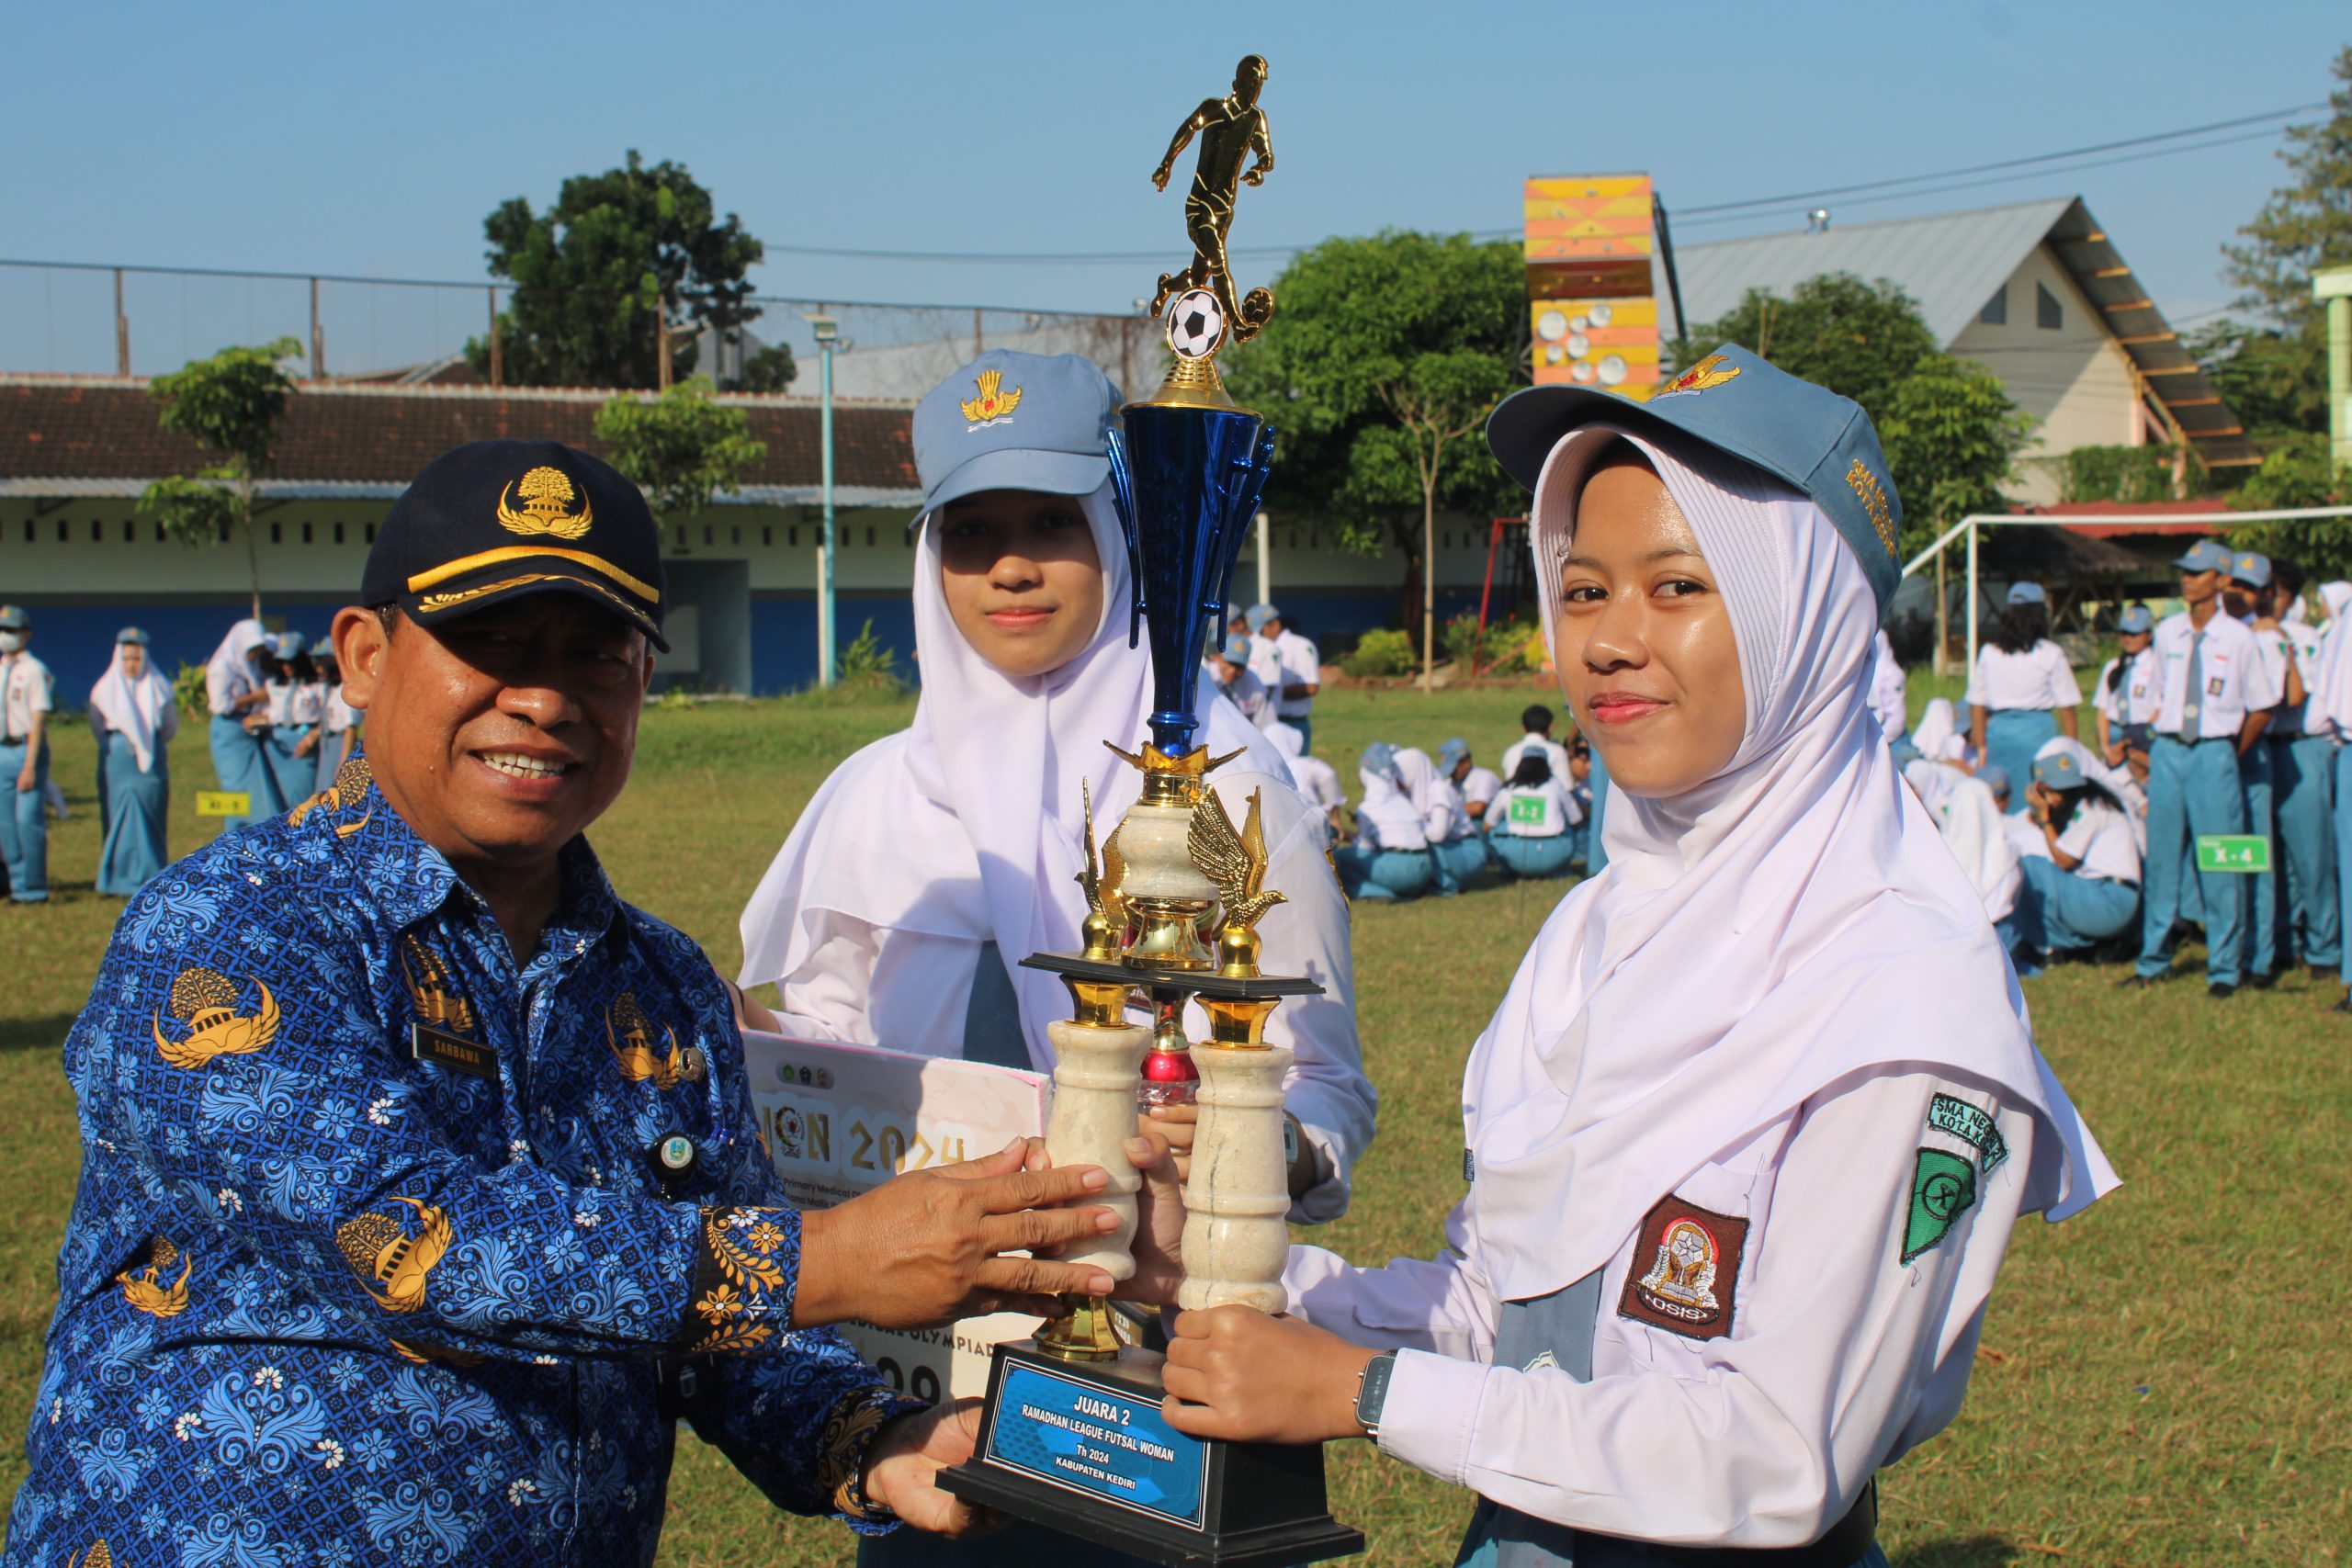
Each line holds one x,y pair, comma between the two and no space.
75,453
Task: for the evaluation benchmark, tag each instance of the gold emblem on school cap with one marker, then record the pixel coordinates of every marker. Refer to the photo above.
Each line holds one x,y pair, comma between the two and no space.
992,404
547,493
1872,495
1698,379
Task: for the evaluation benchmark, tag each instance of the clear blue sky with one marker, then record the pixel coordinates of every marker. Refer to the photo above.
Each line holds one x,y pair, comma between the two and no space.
372,139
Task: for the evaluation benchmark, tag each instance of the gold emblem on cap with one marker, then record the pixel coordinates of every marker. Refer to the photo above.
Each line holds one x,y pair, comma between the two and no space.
1698,379
992,404
1872,495
546,493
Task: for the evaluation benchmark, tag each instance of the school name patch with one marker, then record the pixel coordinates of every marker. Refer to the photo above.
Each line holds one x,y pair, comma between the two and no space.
1686,1268
1943,1184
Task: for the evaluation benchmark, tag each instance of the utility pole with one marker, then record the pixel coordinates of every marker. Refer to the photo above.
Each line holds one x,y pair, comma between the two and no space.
828,331
2334,284
318,338
121,330
497,349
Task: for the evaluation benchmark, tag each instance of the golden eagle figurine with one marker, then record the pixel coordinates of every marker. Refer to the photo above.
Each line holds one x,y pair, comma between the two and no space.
1106,912
1236,863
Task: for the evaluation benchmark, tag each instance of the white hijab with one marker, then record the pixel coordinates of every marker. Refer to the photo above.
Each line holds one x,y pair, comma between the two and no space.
1938,735
1792,921
2334,687
133,709
231,665
967,823
1425,788
1394,816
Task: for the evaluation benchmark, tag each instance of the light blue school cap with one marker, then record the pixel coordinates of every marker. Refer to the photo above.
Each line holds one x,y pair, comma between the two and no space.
1806,437
1994,777
1013,421
130,637
1260,614
2027,594
1450,755
2137,619
2060,770
2207,554
1235,650
14,619
2252,570
1380,758
290,645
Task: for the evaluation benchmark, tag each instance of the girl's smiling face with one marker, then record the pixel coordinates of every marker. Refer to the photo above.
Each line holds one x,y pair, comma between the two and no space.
1646,652
1023,578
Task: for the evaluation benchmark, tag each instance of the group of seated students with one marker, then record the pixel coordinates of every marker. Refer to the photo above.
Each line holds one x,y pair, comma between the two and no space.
1438,824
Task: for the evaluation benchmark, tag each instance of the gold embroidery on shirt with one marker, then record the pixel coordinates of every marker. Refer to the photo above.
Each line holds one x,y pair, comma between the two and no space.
630,1034
430,990
207,1000
146,1290
350,784
380,1250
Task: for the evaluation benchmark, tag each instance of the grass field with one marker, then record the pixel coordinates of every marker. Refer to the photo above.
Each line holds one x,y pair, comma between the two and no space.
2160,1381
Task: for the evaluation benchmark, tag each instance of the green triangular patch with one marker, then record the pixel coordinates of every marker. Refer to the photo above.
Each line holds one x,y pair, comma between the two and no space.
1943,1187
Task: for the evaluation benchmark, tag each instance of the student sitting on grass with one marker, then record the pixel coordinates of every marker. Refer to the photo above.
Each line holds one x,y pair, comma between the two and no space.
1390,857
2084,889
1536,819
1456,851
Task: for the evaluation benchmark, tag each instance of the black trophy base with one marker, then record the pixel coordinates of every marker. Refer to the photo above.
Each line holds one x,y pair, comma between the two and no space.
1081,1448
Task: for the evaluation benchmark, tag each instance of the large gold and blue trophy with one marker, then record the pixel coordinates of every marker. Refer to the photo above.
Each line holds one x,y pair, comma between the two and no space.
1072,1434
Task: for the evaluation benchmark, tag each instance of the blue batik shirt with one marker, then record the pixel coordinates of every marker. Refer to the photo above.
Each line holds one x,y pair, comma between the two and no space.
373,1257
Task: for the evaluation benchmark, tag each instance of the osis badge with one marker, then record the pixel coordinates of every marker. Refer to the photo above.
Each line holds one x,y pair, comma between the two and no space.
1686,1270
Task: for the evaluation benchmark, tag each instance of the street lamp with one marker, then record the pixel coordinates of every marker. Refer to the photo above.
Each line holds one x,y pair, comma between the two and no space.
828,331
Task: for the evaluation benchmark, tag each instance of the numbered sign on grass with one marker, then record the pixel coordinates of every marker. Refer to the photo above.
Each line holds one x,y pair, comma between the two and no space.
2248,852
841,1119
223,803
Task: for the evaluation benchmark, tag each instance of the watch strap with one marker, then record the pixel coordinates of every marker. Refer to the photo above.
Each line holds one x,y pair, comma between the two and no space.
1372,1391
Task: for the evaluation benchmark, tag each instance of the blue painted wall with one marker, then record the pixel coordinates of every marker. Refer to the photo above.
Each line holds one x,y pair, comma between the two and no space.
76,640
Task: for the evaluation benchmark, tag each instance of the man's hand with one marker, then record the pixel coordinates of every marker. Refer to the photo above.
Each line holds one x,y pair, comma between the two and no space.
29,776
929,1246
902,1468
1159,1242
1241,1375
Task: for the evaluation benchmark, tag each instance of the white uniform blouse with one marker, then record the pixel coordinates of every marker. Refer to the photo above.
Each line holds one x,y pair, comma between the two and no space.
1841,1358
2100,837
2040,678
2133,699
1535,811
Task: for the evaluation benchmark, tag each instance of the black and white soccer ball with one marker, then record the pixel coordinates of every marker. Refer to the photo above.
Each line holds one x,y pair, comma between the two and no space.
1195,324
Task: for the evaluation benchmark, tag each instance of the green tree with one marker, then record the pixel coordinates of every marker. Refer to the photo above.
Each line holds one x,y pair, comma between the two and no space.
230,404
2272,371
590,273
771,369
1378,371
681,448
1951,433
2296,472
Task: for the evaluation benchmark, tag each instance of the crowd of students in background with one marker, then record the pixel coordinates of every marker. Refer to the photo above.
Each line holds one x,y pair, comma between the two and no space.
279,730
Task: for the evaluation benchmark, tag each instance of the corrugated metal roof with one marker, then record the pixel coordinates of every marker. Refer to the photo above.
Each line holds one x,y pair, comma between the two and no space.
1951,263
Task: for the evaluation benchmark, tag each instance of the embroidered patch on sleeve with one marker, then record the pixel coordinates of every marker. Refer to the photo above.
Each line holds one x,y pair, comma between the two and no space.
1943,1187
1948,1113
1686,1269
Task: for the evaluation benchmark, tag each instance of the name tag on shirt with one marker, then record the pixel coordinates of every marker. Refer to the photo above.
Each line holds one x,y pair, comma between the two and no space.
454,1052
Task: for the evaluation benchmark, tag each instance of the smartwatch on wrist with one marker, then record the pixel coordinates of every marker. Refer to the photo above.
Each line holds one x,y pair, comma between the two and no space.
1372,1391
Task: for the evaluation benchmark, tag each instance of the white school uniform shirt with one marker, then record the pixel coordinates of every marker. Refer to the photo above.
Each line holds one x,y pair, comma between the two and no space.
2309,717
1535,811
1553,753
1266,661
1479,786
2040,678
26,688
1248,693
1889,686
2235,682
1301,665
2100,837
2134,698
338,715
1318,781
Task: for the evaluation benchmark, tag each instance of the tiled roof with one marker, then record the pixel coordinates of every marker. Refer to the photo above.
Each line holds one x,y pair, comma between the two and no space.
105,428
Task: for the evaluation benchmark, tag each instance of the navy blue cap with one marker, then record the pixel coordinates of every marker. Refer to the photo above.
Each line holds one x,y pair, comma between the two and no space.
131,635
1805,436
2137,619
1450,755
2060,770
2207,554
1993,776
14,619
2027,594
499,520
2252,570
1013,421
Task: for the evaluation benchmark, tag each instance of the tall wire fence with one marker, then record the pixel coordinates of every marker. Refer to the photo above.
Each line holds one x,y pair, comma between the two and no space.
86,319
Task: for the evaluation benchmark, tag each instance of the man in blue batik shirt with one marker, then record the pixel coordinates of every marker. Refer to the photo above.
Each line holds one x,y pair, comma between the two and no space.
421,1195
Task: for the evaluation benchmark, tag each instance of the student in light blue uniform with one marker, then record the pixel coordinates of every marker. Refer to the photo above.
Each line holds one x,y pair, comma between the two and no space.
2217,699
297,703
1595,850
2085,888
1390,858
2022,690
1533,823
233,692
2300,742
27,693
2243,596
135,714
1457,854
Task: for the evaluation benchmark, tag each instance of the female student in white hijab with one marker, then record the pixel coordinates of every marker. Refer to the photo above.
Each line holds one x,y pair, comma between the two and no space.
1737,1198
1316,779
1456,851
238,702
934,860
2084,889
134,716
1390,857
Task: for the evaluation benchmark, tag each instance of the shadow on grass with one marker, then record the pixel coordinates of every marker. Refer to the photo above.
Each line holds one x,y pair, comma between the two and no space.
1973,1551
46,1033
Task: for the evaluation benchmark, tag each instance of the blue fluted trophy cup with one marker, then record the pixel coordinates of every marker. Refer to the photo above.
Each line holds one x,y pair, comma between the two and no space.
1072,1435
